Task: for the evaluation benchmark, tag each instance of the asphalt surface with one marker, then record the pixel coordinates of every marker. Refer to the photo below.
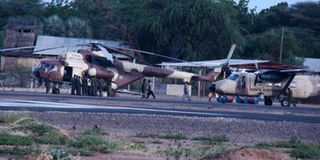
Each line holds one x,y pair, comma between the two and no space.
135,105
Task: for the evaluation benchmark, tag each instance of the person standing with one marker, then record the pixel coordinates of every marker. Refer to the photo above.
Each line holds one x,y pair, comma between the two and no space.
100,83
47,83
84,86
108,86
73,85
186,91
94,86
78,85
143,88
150,92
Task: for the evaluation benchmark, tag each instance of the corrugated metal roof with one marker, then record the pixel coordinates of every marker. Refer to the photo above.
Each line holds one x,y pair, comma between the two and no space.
51,45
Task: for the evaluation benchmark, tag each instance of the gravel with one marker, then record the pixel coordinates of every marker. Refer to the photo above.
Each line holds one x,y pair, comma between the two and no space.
237,130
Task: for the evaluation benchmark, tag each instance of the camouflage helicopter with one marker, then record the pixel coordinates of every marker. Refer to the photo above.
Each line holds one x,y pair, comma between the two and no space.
286,85
106,66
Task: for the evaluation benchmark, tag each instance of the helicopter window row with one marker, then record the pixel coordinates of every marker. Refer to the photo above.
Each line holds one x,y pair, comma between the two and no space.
233,77
100,61
42,66
260,90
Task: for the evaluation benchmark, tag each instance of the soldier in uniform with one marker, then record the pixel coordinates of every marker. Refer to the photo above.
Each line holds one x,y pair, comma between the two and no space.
73,85
108,86
100,83
94,86
143,88
47,84
78,85
84,86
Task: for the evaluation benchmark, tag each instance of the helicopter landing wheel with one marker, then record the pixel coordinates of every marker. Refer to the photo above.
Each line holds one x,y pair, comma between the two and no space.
285,102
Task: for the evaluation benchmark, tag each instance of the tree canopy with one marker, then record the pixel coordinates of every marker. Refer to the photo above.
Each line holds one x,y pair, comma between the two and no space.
190,30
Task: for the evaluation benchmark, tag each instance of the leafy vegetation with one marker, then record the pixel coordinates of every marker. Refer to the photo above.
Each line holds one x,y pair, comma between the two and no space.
170,135
7,139
179,152
18,151
292,143
298,148
191,30
40,133
92,140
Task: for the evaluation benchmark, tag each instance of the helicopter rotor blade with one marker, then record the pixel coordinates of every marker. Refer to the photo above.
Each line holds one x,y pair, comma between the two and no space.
149,53
17,48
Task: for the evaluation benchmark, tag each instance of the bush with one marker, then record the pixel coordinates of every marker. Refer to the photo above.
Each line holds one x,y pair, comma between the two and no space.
175,136
95,131
94,143
18,151
292,143
210,140
7,139
311,151
41,133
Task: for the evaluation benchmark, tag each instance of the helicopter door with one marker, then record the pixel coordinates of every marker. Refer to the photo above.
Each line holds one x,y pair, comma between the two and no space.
67,74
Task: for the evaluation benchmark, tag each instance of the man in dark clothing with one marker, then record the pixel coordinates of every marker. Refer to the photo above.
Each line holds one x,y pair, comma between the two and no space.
47,84
143,88
100,84
150,92
84,86
73,85
108,86
78,85
94,86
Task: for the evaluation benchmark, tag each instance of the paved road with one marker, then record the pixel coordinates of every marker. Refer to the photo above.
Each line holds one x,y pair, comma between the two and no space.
41,102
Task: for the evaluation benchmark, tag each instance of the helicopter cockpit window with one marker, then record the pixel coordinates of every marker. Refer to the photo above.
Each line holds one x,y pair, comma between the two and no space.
233,77
101,61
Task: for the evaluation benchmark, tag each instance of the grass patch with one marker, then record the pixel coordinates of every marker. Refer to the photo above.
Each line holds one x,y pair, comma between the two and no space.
292,143
205,151
10,117
146,135
95,131
179,152
210,140
19,151
174,136
7,139
311,151
138,146
41,133
170,135
298,148
94,143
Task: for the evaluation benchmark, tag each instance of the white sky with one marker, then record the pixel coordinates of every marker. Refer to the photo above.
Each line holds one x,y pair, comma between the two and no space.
263,4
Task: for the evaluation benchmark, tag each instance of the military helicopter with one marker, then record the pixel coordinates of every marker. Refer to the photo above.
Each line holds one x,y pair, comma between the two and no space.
286,85
106,66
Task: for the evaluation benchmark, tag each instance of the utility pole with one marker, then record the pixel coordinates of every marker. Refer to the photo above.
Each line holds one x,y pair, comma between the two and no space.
281,45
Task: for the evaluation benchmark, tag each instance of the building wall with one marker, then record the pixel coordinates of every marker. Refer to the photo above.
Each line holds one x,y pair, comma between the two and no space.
10,62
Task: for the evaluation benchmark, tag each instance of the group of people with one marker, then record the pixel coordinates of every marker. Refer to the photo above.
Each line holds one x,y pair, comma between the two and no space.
147,87
87,86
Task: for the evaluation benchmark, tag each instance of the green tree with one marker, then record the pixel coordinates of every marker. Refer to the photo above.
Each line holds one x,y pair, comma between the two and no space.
266,46
192,30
